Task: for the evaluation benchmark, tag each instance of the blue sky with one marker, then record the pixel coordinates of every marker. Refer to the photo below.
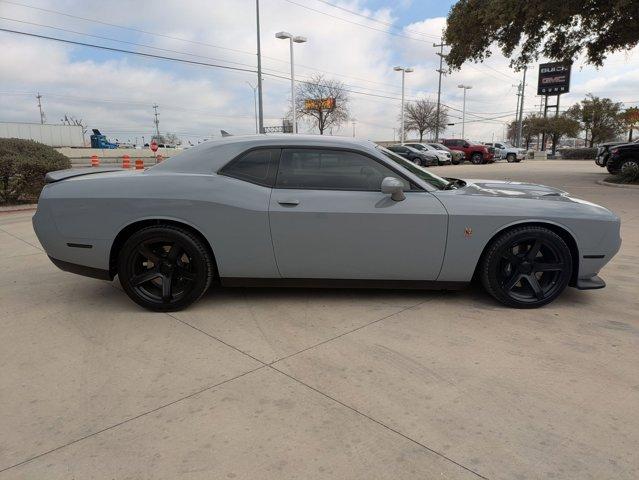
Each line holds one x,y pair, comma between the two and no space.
114,92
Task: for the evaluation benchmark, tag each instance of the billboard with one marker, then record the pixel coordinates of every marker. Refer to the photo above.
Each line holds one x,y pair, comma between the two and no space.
319,103
554,78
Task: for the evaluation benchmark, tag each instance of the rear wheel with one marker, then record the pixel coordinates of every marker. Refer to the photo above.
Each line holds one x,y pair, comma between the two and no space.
526,267
476,158
164,268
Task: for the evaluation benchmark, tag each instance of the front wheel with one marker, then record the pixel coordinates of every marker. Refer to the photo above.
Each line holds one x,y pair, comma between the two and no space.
164,268
417,161
476,158
511,157
526,267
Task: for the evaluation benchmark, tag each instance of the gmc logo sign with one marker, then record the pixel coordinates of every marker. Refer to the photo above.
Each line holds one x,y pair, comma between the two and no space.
554,79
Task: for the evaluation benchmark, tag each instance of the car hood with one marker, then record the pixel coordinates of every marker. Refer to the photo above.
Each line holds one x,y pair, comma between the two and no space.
509,188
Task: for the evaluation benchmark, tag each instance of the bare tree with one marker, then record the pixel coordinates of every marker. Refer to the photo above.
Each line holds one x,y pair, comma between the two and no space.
421,116
322,102
71,120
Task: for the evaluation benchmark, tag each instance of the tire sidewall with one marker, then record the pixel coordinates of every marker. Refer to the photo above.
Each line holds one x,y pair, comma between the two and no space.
476,159
490,264
196,251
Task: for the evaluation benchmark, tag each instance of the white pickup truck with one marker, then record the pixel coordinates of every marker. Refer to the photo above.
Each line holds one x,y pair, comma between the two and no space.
506,151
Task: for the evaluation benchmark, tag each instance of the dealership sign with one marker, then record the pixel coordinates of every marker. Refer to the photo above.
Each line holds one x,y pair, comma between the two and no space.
320,104
554,78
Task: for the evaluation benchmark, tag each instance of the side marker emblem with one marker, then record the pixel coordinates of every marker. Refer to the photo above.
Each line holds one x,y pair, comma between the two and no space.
468,232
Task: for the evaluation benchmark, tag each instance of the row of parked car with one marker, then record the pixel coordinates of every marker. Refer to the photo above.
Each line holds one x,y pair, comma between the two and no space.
618,156
456,151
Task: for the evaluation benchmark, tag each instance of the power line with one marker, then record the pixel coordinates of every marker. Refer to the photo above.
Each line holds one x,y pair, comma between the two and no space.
388,24
356,23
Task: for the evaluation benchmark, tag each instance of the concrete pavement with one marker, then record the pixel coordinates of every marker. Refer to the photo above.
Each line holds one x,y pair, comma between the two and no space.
266,383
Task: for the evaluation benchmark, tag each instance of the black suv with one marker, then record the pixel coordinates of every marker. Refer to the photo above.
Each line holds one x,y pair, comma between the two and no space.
603,152
623,157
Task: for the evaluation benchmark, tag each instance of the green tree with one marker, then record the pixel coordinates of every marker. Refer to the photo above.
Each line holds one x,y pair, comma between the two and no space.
599,118
630,118
524,30
560,126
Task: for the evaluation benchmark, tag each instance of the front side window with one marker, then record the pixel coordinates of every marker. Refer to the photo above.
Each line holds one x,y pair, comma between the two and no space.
434,180
315,169
256,166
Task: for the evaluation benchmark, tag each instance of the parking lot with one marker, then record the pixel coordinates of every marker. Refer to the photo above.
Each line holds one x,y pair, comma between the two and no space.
302,384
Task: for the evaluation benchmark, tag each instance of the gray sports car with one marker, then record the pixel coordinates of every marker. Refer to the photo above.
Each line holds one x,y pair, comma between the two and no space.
317,211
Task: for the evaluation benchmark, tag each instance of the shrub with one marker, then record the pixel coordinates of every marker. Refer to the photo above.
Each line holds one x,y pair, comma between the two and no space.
578,153
23,165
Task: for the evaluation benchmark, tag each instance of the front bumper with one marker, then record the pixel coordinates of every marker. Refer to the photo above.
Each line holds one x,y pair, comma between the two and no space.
591,283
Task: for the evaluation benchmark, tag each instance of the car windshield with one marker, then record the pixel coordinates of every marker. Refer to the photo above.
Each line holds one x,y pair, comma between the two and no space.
438,146
417,146
508,145
437,182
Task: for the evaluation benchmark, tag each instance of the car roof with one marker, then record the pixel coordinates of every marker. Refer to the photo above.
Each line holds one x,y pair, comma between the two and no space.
214,154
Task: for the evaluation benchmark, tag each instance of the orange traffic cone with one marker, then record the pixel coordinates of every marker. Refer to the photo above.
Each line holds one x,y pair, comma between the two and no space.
95,161
126,161
139,164
158,158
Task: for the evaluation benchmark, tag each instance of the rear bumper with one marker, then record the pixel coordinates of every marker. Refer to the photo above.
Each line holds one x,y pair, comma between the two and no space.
591,283
82,269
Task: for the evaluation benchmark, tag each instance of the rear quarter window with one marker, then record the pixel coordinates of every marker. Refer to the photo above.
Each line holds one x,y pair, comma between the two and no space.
257,166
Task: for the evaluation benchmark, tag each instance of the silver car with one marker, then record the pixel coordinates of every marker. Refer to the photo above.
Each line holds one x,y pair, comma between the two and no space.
317,211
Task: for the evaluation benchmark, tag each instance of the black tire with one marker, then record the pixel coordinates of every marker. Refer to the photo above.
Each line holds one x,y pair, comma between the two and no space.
455,162
526,267
417,160
610,168
476,159
165,268
511,157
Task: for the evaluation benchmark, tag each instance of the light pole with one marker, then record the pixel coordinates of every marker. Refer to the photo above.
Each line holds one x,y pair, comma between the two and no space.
404,70
465,87
296,39
254,103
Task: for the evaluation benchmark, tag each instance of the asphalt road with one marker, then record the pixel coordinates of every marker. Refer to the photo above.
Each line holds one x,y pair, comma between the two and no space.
303,384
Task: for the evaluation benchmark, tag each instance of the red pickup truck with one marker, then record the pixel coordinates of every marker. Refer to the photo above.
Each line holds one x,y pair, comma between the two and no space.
474,152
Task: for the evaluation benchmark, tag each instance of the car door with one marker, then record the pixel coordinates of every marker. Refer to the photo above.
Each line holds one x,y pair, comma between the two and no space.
330,220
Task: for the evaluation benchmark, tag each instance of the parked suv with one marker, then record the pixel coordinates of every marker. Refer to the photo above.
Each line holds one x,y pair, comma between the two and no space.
457,157
623,157
417,157
474,152
443,157
604,150
505,151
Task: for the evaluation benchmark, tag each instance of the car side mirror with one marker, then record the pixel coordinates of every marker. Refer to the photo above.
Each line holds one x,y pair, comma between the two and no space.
466,144
394,187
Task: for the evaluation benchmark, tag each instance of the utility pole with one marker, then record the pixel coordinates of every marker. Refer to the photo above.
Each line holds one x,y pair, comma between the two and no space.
42,117
353,122
254,104
515,129
521,109
157,122
439,86
465,87
259,69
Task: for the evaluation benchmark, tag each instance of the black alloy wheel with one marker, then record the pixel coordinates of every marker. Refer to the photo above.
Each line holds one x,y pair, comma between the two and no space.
164,268
527,267
629,166
477,159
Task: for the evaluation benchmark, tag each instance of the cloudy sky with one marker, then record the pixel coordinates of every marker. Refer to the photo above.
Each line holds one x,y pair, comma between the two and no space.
357,42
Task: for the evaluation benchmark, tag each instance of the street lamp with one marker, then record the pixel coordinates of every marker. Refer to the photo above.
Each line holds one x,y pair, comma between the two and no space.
296,39
465,87
404,71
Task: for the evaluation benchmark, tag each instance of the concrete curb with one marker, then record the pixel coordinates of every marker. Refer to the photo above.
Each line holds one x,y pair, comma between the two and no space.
617,185
19,208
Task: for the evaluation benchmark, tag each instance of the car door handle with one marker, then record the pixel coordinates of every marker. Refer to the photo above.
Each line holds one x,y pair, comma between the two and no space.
289,202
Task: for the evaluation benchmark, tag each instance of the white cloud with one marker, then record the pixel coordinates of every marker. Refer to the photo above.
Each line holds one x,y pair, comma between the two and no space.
200,101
